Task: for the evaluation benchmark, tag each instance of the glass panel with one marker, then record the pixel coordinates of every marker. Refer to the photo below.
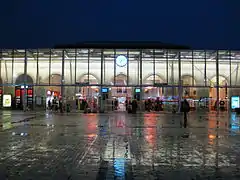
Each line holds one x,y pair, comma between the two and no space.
69,73
44,66
148,74
235,73
121,60
82,70
198,68
122,77
18,67
172,73
32,73
134,67
186,64
55,73
94,77
211,77
7,71
202,104
32,64
187,77
108,67
7,66
148,67
42,75
224,75
235,59
160,73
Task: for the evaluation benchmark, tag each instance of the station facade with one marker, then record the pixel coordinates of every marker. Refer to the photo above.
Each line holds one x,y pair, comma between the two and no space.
31,76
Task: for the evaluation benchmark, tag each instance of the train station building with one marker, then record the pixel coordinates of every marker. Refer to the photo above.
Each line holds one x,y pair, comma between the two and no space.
33,76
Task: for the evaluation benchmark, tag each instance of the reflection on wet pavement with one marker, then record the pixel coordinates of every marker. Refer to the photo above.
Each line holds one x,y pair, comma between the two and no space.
122,146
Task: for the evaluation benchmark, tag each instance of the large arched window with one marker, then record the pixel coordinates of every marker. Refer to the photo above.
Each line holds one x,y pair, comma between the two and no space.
20,79
90,90
152,91
150,79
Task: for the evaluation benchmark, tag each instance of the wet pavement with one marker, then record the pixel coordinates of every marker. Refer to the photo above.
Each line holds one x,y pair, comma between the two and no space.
122,146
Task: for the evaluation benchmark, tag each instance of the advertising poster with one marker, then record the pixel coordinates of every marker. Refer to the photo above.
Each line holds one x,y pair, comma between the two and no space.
7,100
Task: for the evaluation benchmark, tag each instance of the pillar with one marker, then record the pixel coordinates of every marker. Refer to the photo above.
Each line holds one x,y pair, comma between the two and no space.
62,77
25,82
217,81
179,82
140,72
102,108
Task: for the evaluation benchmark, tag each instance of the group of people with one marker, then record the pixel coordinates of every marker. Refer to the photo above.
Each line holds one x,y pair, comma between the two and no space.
153,105
57,105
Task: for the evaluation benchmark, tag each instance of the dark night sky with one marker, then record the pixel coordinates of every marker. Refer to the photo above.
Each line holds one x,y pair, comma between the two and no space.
205,24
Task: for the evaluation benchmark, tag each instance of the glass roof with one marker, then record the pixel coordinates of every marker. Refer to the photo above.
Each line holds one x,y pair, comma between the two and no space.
147,54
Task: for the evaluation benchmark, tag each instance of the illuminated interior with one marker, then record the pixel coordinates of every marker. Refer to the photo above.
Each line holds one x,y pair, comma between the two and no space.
66,69
151,91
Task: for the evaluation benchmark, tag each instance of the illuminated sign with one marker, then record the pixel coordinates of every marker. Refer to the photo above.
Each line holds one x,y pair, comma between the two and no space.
7,100
235,102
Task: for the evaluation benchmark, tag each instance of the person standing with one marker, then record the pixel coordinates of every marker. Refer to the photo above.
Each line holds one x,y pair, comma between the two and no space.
185,110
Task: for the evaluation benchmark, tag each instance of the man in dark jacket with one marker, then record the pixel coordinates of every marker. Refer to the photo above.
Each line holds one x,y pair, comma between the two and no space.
185,110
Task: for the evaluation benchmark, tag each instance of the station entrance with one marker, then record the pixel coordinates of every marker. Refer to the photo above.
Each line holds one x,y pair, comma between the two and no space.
120,93
223,93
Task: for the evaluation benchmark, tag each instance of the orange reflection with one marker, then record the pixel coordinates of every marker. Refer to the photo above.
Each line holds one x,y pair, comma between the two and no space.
150,131
91,124
90,137
212,121
211,138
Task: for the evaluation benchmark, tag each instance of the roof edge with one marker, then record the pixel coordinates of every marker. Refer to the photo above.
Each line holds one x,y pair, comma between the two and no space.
122,45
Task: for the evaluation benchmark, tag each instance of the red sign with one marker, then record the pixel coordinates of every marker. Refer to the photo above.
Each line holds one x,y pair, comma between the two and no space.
30,92
18,93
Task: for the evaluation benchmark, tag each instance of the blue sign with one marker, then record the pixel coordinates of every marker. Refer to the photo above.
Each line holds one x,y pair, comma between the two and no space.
104,90
235,102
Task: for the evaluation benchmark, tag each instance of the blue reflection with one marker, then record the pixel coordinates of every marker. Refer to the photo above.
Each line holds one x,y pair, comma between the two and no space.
103,131
234,123
234,127
119,166
234,117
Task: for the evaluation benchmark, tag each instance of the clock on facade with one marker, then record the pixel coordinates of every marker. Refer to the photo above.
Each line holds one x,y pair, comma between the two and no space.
121,60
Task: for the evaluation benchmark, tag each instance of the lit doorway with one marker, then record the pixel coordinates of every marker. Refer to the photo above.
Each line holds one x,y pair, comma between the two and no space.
223,92
120,92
